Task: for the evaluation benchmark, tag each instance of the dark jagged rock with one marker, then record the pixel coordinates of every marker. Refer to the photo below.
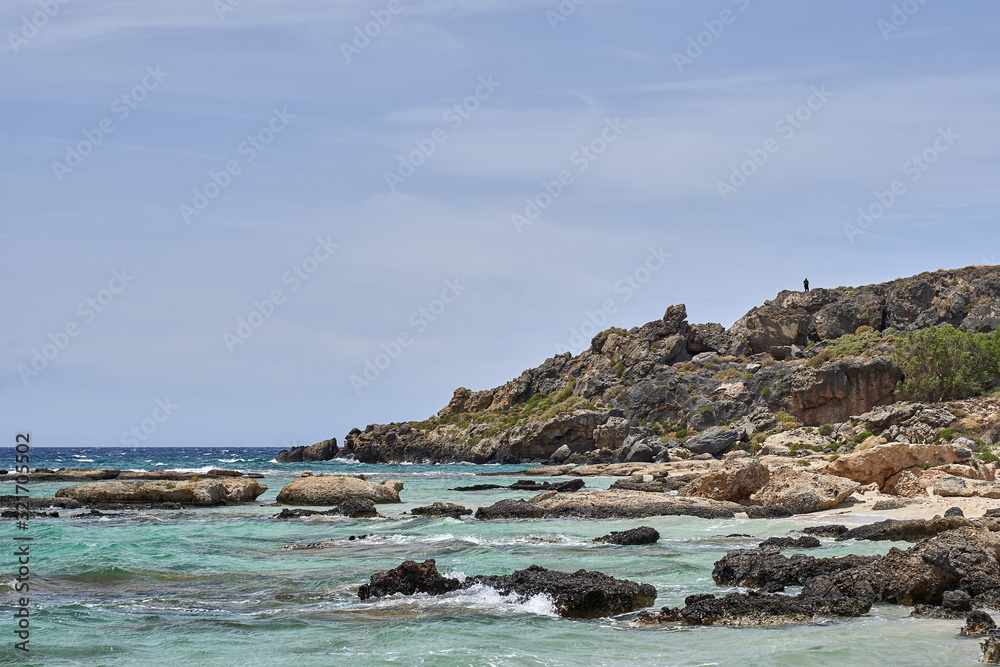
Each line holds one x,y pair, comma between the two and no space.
510,509
580,594
991,650
953,511
772,512
354,508
561,487
321,451
977,624
911,530
806,542
827,530
754,609
409,578
633,536
756,568
479,487
439,509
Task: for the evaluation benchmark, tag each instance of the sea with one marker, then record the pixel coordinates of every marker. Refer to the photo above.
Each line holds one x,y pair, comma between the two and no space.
214,586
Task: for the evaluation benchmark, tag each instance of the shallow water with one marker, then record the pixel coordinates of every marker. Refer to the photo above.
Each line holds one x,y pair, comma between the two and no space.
212,586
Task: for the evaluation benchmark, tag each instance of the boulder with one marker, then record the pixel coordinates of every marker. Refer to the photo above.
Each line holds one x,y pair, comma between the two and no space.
633,536
409,578
803,492
321,451
712,441
881,462
733,482
779,543
335,490
439,509
187,492
580,594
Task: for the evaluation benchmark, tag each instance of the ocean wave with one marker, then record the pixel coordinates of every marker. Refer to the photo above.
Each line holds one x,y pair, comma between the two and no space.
478,597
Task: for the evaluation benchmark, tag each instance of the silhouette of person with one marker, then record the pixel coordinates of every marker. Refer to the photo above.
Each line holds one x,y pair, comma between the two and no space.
805,285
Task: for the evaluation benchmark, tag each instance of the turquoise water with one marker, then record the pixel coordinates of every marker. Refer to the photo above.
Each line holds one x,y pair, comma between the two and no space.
212,586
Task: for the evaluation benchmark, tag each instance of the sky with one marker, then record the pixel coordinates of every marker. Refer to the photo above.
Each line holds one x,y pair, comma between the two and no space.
264,223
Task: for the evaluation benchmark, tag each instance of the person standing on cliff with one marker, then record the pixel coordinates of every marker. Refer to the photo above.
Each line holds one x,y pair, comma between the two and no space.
805,285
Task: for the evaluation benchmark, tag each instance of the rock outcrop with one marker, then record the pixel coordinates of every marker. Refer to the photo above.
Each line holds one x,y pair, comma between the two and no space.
801,492
335,490
669,387
224,491
579,594
321,451
600,504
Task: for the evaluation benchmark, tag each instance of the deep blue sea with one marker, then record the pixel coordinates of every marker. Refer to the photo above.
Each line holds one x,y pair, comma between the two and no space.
213,586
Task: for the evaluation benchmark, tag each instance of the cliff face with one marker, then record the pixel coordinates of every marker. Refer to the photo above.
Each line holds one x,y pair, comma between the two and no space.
637,393
964,298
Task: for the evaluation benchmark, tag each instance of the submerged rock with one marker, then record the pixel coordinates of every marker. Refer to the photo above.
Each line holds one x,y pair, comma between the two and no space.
353,508
633,536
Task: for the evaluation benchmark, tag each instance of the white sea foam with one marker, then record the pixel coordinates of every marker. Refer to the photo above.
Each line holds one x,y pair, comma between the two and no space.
478,598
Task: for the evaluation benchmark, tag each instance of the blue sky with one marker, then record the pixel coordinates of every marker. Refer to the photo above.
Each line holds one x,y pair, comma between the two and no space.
555,168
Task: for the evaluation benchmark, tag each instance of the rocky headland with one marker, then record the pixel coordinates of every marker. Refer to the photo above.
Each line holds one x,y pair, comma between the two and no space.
800,374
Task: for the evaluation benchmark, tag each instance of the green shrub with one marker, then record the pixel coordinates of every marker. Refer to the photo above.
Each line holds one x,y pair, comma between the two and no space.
861,437
925,465
784,417
943,363
853,345
705,410
947,433
766,391
825,429
824,355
